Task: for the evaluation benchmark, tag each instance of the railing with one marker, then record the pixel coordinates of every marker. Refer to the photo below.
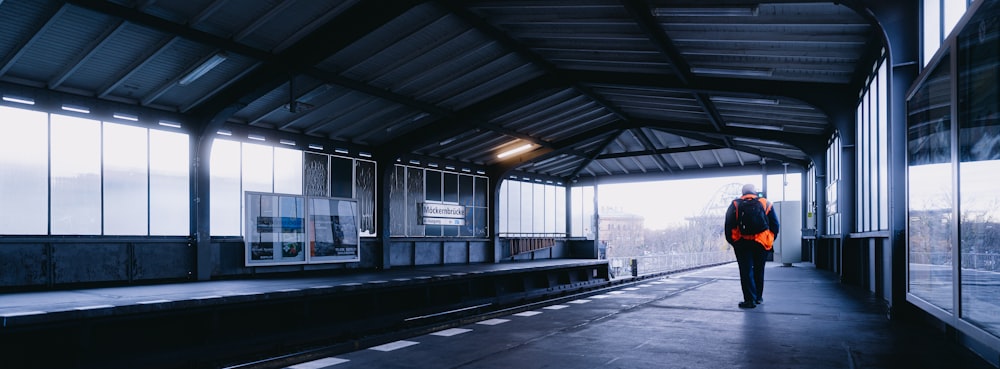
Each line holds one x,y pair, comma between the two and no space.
622,266
524,245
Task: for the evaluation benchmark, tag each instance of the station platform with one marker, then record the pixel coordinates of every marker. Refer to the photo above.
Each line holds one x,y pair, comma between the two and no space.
685,320
211,323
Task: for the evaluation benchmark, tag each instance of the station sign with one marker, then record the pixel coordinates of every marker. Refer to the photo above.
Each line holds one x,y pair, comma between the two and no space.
434,213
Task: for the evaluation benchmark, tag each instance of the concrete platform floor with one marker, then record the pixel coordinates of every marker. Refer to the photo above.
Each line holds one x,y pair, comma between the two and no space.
688,320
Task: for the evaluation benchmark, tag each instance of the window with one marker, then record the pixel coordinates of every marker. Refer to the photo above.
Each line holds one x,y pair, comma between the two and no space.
528,208
930,192
833,217
169,183
126,180
75,178
413,189
872,210
24,174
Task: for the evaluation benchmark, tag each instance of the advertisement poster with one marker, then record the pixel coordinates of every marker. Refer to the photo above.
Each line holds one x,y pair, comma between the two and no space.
293,229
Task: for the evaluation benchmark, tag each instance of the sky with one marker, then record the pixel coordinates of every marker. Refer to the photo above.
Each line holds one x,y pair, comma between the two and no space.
667,203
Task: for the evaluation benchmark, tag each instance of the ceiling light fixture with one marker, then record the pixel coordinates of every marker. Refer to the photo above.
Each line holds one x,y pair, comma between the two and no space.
128,117
756,126
316,147
202,69
76,108
734,72
513,151
18,99
744,100
750,11
170,124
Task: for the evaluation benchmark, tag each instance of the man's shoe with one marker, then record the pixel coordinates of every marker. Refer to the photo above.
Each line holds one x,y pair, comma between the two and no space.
747,305
759,301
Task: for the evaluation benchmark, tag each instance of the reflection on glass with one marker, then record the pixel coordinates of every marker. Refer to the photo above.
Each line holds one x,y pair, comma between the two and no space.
76,175
125,180
979,171
930,190
24,167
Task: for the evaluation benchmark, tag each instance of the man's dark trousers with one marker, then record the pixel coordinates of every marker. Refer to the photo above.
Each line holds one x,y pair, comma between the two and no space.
750,257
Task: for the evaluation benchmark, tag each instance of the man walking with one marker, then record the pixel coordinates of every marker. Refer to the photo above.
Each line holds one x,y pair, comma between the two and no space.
751,225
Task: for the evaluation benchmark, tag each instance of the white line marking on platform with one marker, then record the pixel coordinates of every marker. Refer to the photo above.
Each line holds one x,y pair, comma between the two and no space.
152,302
22,313
579,301
323,286
316,364
632,289
391,346
556,307
616,292
600,296
645,285
451,332
493,321
289,290
93,307
207,297
528,313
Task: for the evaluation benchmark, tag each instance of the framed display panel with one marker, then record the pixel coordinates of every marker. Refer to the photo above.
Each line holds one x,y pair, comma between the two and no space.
284,229
333,230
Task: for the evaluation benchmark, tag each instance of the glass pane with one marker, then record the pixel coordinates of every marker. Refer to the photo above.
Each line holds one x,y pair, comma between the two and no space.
979,170
287,171
883,150
550,209
539,211
414,196
561,210
434,188
169,183
225,194
450,188
341,177
503,216
316,170
930,189
527,198
258,168
364,189
397,202
465,194
126,187
76,175
932,28
24,172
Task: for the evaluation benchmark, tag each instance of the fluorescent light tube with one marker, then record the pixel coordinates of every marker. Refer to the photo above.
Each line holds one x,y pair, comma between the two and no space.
744,100
126,117
18,99
202,69
316,147
170,124
733,72
513,151
706,12
76,108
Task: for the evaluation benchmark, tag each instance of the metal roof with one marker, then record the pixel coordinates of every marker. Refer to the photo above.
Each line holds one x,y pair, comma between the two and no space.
599,88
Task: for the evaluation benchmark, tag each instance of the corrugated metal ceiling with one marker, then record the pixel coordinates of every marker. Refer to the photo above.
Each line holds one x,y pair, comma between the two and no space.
597,87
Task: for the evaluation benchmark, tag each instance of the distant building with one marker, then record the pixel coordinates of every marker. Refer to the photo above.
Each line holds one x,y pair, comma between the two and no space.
620,233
